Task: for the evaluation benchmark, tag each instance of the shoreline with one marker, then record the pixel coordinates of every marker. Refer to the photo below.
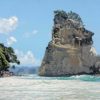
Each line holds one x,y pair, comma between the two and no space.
6,74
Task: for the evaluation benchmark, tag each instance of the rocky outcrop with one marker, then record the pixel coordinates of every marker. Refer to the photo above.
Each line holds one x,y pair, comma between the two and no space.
6,74
70,52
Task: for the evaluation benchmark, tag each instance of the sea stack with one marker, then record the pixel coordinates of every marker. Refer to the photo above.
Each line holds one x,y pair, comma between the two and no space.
71,51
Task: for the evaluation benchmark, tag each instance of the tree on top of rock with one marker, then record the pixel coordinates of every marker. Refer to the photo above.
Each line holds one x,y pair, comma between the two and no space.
60,16
74,16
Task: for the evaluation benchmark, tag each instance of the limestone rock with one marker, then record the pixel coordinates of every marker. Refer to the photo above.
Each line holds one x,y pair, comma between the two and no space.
70,52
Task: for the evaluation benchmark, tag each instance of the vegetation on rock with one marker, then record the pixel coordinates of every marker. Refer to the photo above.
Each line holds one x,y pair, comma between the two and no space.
7,56
74,16
61,16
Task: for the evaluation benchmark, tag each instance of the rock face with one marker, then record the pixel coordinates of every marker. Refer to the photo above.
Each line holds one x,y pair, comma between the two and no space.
70,52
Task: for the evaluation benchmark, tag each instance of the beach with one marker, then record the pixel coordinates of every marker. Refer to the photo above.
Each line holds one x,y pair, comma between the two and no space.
31,87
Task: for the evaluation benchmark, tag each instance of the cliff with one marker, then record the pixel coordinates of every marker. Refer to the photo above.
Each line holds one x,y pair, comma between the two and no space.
71,51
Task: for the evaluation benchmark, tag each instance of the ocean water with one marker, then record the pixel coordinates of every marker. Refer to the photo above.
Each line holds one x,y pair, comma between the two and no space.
33,87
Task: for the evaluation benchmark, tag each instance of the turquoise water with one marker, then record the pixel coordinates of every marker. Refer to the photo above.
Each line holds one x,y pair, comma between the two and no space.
34,87
88,78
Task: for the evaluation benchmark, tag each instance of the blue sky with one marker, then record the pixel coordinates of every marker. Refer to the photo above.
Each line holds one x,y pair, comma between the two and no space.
26,25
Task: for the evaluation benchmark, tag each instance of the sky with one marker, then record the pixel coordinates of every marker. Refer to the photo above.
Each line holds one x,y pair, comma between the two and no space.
26,25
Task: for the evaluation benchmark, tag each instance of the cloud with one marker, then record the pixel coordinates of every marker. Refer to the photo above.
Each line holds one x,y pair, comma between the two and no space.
30,34
11,40
8,25
27,58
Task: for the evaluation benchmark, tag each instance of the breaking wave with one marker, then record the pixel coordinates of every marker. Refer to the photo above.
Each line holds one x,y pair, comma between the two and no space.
91,78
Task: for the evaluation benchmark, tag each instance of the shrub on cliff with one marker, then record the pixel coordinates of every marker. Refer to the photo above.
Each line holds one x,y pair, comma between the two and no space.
61,16
75,17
